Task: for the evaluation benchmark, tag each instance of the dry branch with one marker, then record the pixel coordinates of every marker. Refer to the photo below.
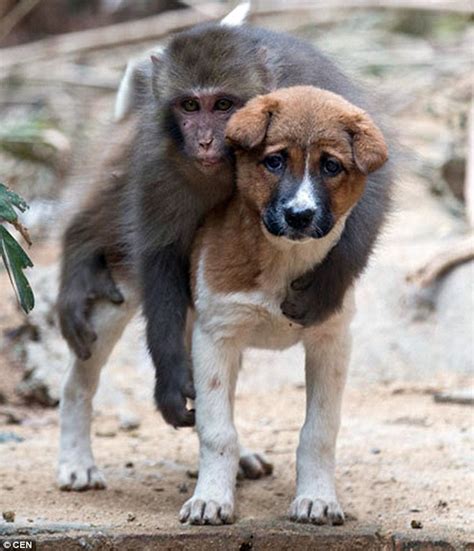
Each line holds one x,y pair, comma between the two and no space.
15,15
469,183
150,28
273,6
443,262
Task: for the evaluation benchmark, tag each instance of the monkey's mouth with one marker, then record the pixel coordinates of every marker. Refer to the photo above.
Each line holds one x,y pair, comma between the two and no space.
210,162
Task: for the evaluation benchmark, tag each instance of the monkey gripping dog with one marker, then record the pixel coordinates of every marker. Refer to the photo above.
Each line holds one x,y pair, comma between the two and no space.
303,158
129,245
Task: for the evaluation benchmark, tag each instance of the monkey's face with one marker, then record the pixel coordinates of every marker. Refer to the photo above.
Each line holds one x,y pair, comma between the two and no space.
203,76
201,119
303,156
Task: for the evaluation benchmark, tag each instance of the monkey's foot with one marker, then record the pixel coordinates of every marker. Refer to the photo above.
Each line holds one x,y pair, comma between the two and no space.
77,477
253,465
207,511
318,511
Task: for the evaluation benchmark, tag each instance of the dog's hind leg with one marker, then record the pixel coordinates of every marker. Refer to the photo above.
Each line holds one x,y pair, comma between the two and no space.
77,469
327,357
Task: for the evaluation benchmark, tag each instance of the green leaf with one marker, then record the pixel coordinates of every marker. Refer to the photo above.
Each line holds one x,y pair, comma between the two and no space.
9,200
16,260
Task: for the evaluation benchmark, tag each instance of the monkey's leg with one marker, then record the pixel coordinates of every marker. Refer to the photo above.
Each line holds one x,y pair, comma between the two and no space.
77,470
327,357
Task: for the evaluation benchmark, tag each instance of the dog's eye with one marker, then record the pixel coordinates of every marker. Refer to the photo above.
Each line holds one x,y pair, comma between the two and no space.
275,162
331,167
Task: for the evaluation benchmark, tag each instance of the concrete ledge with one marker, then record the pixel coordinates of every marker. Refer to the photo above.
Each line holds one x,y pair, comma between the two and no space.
277,536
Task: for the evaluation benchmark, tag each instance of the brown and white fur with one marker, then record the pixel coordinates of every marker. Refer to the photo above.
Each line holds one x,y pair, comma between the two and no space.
284,218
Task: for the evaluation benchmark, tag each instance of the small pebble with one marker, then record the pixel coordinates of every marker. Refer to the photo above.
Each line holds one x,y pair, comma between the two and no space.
416,524
192,474
415,510
375,451
129,465
158,489
105,433
8,516
183,488
10,437
129,423
131,517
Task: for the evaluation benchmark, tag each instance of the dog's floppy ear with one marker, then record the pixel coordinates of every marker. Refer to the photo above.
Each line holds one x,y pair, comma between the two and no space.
368,144
248,127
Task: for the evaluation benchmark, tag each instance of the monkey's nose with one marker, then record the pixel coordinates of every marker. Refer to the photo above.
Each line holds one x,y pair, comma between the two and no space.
205,143
299,219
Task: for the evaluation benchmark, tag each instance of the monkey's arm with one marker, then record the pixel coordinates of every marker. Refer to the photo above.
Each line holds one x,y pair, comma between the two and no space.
85,278
165,276
319,293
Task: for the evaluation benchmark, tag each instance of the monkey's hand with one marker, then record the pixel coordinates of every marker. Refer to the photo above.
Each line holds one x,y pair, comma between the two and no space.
172,394
314,297
76,300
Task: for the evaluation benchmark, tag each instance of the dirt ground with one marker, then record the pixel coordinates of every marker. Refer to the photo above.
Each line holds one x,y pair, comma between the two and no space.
403,461
402,458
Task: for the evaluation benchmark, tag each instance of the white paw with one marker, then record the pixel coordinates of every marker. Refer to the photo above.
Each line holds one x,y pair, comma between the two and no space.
207,511
317,511
254,465
78,477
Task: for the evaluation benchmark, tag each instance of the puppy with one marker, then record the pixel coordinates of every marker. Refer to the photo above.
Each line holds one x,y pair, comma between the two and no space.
303,156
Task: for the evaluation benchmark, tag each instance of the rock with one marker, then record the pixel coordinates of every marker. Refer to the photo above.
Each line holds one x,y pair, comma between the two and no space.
464,396
131,517
8,516
10,437
416,524
106,433
183,488
453,172
128,421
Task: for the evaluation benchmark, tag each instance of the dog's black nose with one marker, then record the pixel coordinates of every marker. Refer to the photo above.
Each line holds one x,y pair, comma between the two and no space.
299,219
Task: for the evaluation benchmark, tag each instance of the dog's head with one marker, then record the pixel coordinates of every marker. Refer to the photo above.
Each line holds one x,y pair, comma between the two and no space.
303,156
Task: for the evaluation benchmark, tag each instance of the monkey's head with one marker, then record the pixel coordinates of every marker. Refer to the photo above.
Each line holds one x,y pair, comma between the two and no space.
202,77
303,157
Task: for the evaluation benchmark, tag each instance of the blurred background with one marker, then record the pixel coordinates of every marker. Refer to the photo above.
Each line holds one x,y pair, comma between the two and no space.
60,65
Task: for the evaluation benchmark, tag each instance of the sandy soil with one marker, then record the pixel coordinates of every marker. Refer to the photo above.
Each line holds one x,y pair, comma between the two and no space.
401,458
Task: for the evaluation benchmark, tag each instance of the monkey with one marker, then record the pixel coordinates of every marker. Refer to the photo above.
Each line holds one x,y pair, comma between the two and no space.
131,244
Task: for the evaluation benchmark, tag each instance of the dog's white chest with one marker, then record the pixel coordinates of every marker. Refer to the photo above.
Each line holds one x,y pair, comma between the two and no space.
253,318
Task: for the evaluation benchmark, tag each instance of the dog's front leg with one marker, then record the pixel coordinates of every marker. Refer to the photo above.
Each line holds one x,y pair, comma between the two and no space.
326,365
215,366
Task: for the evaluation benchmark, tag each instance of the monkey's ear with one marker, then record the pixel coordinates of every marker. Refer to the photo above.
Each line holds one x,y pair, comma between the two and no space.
156,60
248,127
368,144
156,66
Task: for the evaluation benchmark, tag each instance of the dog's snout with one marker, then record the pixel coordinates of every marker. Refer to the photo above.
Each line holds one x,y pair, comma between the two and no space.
298,218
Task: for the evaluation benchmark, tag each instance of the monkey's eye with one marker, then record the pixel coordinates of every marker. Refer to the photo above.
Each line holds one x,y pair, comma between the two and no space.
223,104
331,167
275,162
190,105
